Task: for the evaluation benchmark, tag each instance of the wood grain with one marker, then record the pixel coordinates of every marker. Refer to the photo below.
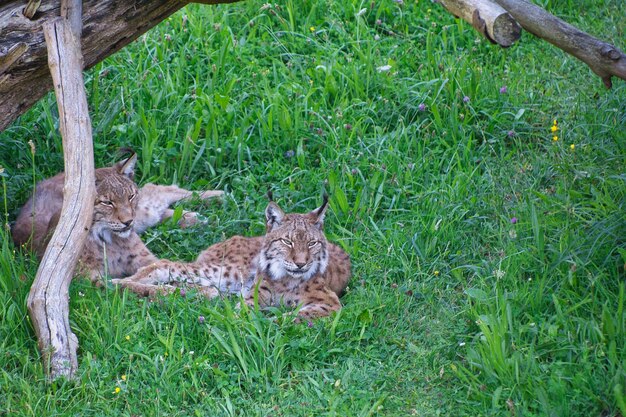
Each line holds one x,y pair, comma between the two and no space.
48,301
488,18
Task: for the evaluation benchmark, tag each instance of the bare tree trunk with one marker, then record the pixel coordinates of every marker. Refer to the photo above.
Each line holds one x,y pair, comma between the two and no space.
108,26
603,58
488,18
48,301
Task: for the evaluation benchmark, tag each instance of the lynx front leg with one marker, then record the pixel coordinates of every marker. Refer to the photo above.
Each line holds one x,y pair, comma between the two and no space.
264,292
319,303
154,203
151,290
146,290
167,274
161,272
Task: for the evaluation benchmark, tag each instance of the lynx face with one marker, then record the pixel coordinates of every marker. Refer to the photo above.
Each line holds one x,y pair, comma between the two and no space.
294,244
116,201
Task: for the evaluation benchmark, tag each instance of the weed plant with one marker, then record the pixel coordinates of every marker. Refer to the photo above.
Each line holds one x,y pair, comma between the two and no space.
487,240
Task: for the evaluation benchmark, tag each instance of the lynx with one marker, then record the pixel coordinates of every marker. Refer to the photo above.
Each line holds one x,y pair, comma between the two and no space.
121,211
293,264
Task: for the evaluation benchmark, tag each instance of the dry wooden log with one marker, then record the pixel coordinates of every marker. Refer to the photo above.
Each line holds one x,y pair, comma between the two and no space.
48,301
108,26
604,59
488,18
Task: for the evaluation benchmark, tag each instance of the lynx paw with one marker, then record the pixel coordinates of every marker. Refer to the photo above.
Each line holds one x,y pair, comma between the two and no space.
205,195
189,219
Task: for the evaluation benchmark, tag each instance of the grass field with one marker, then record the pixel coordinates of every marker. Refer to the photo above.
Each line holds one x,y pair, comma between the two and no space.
488,258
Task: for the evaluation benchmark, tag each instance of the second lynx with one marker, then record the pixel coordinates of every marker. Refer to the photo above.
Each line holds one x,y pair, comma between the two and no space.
293,264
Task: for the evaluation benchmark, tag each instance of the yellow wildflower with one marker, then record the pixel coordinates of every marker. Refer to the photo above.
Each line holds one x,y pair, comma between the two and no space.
554,128
312,28
117,390
436,273
555,138
127,337
123,377
572,146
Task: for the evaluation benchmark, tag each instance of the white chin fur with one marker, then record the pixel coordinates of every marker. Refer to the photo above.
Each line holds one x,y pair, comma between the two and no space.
104,233
306,275
125,234
101,232
278,271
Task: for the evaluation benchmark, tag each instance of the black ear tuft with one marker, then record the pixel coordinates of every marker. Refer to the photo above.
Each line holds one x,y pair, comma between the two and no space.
324,200
318,213
125,150
270,196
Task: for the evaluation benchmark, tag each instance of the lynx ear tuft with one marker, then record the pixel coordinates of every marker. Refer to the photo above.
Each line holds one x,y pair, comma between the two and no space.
127,166
273,216
319,213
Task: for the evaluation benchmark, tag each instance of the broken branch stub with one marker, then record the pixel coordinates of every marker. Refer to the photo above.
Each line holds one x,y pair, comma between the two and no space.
48,301
488,18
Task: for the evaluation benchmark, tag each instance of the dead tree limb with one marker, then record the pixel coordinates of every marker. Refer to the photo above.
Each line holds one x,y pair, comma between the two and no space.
604,59
108,26
488,18
48,301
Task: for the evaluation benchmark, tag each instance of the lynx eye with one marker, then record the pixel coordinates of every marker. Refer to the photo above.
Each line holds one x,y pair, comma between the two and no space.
132,197
313,243
107,203
286,242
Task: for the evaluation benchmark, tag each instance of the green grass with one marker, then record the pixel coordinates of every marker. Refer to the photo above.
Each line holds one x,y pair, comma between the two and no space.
453,308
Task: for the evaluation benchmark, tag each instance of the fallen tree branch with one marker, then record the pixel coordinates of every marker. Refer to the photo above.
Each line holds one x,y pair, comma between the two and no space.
604,59
488,18
108,26
48,301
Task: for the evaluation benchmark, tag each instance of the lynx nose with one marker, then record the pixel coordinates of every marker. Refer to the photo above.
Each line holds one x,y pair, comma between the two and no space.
300,265
127,223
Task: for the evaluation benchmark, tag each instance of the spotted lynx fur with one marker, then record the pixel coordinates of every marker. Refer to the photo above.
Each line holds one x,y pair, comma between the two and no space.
121,211
293,264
